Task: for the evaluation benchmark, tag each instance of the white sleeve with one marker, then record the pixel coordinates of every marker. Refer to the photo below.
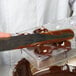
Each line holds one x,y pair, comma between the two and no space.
74,8
51,10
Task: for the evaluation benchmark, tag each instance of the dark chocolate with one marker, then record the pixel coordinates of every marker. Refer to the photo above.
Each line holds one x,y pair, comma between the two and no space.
22,68
62,73
56,71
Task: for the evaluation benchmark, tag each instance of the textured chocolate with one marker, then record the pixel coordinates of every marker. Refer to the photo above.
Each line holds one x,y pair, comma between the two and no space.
22,68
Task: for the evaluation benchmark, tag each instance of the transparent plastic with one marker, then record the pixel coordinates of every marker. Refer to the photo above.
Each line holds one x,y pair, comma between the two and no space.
58,56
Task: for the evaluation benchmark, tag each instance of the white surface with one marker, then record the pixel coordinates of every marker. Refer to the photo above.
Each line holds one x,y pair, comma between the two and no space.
5,70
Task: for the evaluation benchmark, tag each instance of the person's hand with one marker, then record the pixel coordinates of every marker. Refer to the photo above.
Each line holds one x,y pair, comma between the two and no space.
4,35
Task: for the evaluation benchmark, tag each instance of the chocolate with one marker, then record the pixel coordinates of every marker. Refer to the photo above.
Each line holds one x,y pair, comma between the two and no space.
41,30
22,68
62,73
59,40
56,71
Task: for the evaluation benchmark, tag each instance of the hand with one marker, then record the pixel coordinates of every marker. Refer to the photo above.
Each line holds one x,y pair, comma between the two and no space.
5,35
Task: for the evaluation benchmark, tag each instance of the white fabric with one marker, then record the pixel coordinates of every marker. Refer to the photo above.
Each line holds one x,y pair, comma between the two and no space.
74,9
51,10
19,15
